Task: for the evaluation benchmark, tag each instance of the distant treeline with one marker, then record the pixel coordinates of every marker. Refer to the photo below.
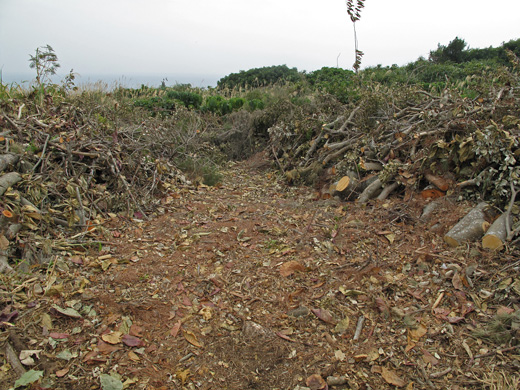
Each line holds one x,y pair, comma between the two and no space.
453,64
455,53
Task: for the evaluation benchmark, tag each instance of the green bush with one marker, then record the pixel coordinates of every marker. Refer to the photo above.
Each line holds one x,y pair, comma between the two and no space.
259,77
338,82
156,105
188,99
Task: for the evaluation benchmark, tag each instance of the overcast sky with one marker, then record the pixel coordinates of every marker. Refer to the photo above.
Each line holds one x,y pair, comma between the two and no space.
199,41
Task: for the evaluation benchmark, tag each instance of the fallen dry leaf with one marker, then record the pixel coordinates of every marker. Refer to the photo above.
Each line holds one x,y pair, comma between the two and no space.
62,373
136,331
106,348
183,375
392,378
429,358
289,268
342,326
132,341
59,336
191,338
175,330
285,337
339,355
133,356
382,306
324,315
112,338
316,382
458,281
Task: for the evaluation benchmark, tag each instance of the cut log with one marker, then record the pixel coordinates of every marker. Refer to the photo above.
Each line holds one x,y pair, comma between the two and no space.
346,188
373,190
7,160
496,235
469,228
387,190
8,180
440,182
371,166
4,265
343,183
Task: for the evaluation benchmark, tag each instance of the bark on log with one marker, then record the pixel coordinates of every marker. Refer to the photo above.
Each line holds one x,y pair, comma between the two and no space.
372,166
373,190
387,191
7,160
8,180
440,182
496,235
469,228
430,208
345,188
4,266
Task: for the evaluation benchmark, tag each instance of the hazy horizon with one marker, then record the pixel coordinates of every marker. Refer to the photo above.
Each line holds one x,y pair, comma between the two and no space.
133,80
201,41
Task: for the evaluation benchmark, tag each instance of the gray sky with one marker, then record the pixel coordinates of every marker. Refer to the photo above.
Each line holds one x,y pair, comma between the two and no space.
199,41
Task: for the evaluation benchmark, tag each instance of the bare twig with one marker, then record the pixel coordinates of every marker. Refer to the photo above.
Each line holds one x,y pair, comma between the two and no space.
510,234
43,153
359,327
127,187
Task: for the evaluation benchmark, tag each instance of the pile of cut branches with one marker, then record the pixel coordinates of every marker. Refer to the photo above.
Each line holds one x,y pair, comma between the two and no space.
410,139
67,164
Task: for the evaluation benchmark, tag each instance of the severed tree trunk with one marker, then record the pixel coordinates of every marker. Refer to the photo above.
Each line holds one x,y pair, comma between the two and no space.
4,265
8,180
8,159
469,228
440,182
345,188
496,235
373,190
387,190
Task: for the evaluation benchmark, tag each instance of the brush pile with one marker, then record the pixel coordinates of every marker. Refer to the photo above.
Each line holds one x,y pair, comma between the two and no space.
65,168
437,145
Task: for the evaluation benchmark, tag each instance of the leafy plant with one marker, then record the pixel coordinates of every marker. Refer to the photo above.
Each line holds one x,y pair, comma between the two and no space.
45,62
354,11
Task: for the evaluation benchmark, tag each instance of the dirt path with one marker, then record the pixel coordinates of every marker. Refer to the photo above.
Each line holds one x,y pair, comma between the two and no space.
256,285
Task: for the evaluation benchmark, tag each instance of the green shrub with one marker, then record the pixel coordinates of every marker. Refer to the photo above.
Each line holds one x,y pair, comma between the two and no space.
338,82
188,99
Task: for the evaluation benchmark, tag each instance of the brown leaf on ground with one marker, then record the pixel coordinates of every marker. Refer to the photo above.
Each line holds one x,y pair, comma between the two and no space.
290,267
324,315
175,330
392,377
132,341
106,348
112,338
316,382
63,372
429,358
59,336
191,338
